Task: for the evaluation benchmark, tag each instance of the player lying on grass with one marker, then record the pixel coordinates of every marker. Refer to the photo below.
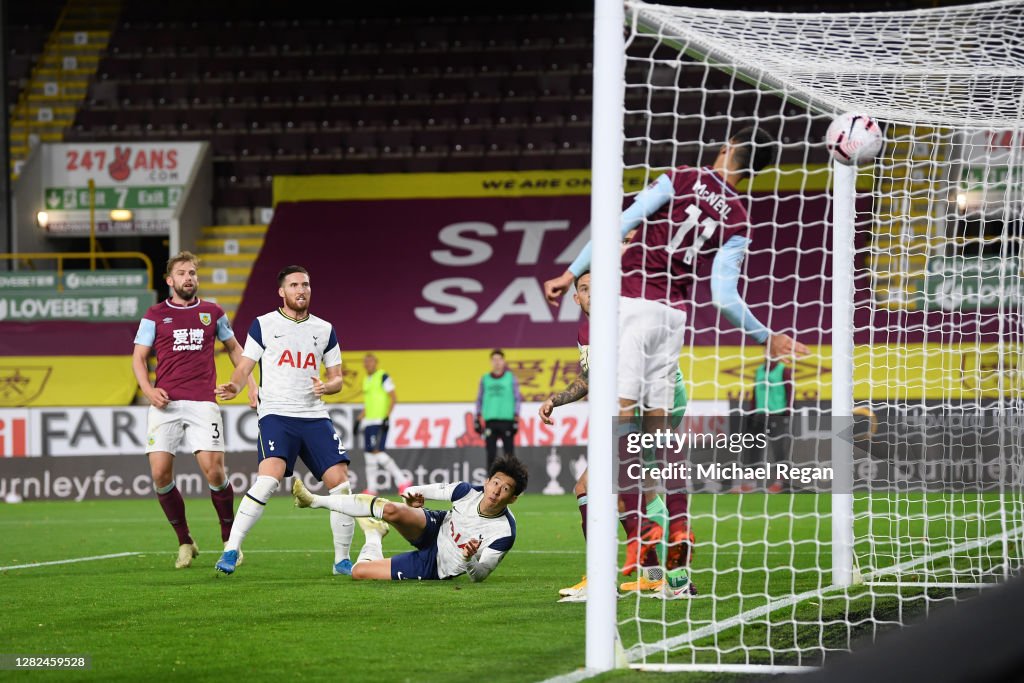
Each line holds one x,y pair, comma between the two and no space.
471,538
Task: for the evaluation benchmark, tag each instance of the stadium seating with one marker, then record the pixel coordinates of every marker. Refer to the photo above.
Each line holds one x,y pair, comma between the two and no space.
348,95
275,83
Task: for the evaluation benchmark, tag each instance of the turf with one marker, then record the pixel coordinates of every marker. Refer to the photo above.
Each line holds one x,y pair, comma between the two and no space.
283,614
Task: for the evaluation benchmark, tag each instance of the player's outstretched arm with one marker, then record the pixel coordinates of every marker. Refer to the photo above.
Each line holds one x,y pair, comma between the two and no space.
234,350
435,492
783,347
725,294
645,204
556,287
229,390
725,275
576,390
158,397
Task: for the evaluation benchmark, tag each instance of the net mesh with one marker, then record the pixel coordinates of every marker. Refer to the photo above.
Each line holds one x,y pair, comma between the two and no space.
937,316
960,65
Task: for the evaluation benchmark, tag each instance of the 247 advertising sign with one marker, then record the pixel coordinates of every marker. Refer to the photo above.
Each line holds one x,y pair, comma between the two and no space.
147,177
131,164
75,279
73,432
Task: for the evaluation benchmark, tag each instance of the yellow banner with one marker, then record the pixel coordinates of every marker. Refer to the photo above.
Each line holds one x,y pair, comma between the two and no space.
881,372
561,183
48,381
66,381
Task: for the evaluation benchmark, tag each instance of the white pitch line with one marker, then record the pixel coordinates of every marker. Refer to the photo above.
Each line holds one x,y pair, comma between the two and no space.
69,561
968,545
642,650
573,677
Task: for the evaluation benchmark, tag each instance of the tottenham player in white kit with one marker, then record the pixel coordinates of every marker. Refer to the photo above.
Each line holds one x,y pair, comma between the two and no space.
290,344
471,538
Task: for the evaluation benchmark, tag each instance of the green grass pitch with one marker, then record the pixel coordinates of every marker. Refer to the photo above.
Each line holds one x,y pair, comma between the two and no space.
283,615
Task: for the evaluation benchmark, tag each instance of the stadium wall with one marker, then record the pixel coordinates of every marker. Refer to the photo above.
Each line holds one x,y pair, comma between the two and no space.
457,261
110,476
910,372
86,453
432,271
98,453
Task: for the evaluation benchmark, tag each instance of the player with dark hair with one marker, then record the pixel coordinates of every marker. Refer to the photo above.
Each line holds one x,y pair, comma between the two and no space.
687,215
290,344
470,538
497,407
183,331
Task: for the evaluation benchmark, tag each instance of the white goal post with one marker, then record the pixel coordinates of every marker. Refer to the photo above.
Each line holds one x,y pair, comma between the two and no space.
903,276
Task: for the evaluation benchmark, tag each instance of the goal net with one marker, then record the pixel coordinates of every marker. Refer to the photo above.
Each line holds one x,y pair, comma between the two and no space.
925,417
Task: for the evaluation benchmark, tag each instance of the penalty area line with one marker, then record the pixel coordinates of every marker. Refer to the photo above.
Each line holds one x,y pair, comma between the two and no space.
72,560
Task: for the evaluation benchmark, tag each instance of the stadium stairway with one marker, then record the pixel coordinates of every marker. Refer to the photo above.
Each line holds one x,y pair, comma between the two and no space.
226,255
60,79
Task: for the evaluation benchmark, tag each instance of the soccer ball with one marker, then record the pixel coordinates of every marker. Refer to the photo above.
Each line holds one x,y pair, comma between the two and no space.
853,139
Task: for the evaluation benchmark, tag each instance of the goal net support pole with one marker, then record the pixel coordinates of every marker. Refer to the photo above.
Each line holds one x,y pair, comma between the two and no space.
605,207
844,193
785,581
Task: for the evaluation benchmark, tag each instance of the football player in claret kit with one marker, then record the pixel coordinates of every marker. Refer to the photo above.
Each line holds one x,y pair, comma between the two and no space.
182,331
471,538
687,216
644,534
290,344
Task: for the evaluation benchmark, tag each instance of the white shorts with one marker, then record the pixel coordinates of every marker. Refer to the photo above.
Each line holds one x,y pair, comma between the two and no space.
190,425
650,339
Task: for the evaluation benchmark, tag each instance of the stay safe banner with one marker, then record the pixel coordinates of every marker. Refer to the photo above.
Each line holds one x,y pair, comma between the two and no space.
457,261
427,273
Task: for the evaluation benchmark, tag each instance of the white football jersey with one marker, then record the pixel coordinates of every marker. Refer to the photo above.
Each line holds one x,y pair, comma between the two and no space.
464,522
290,353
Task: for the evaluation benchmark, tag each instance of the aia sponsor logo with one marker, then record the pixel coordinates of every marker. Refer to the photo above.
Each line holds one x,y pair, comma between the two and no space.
298,360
